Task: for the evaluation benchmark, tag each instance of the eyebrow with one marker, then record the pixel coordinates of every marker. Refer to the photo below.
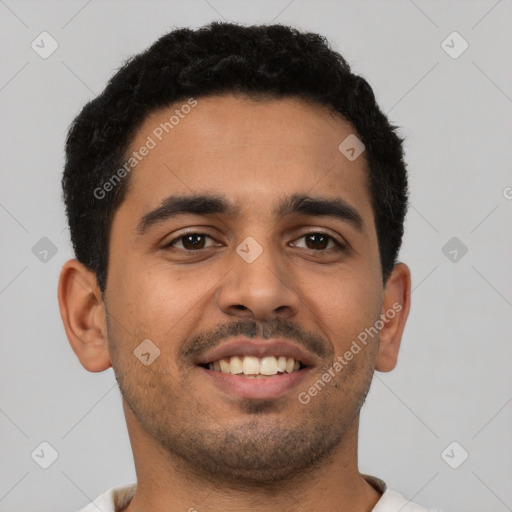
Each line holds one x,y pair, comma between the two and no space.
209,204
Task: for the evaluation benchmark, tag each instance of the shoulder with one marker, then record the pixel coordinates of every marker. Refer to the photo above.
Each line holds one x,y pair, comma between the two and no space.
112,500
392,501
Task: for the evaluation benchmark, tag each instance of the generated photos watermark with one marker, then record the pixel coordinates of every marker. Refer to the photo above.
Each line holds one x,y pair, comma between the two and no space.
137,156
341,361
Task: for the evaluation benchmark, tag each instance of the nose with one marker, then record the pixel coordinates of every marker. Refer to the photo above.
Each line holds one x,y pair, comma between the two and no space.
262,289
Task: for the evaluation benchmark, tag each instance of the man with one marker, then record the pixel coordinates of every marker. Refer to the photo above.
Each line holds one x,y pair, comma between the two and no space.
236,203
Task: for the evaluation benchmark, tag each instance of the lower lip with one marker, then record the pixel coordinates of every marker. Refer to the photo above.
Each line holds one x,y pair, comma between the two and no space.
257,388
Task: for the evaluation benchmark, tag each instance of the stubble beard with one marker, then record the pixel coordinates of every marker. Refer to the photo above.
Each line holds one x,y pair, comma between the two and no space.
263,450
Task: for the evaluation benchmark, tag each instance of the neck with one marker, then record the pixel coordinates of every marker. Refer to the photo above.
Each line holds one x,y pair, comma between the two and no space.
166,482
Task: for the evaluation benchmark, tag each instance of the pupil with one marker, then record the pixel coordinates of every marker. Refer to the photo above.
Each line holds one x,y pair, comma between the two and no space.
190,243
317,235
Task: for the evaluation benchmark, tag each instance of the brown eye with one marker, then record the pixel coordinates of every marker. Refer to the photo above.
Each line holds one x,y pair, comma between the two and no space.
319,241
190,241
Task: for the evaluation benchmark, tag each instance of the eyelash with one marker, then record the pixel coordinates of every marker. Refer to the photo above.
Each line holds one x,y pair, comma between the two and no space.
339,245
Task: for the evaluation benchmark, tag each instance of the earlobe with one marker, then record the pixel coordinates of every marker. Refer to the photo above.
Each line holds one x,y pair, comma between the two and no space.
83,315
395,310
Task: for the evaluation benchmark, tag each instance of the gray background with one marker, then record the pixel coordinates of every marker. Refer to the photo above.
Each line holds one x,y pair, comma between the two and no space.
453,380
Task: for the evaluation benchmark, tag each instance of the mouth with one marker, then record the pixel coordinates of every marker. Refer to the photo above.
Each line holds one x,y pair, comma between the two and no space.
252,366
256,369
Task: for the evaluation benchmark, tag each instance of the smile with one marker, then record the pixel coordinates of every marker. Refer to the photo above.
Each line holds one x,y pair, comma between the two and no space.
255,366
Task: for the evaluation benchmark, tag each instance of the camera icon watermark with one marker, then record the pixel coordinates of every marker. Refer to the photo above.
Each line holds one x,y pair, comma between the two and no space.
44,45
454,45
44,250
351,147
44,455
454,249
454,455
249,249
146,352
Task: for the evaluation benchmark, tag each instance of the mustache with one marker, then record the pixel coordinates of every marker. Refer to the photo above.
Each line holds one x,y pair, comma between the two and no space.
275,328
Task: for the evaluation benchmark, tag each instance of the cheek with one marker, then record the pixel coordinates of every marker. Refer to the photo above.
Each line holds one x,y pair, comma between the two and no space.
160,301
172,292
343,307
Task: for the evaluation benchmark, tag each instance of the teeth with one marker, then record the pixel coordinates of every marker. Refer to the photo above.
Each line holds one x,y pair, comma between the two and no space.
268,366
251,365
224,366
236,365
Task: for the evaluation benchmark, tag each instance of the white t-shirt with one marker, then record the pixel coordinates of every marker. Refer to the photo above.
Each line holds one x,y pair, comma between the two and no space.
120,496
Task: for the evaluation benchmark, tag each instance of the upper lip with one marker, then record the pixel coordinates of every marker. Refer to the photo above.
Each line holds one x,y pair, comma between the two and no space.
257,347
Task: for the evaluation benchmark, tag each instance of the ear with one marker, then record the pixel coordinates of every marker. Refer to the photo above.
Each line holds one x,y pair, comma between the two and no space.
83,313
395,310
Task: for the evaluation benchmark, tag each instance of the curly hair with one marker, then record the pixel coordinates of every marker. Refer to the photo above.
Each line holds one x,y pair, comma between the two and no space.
261,61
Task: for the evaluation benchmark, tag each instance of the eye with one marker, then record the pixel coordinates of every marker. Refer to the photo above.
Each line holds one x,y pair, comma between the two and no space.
319,241
315,241
189,241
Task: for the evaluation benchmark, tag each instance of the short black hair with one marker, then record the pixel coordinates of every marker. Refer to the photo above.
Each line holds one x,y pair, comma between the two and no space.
260,61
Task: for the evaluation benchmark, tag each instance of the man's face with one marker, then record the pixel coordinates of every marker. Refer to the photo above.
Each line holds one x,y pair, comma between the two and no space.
239,281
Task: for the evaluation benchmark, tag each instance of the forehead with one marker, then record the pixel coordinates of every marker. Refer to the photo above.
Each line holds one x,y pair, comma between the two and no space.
253,151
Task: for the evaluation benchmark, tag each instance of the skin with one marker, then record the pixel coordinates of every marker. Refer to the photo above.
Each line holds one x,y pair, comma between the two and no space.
194,445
